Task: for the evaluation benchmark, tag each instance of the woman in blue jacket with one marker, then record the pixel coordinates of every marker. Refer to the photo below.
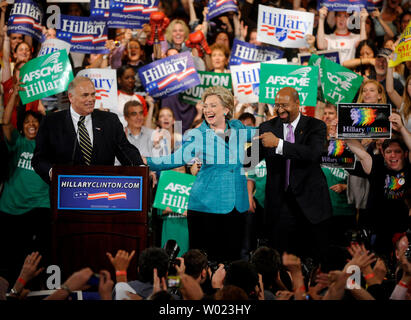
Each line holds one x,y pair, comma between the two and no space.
218,198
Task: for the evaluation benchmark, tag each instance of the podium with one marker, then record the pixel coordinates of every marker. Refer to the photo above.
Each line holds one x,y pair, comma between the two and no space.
98,209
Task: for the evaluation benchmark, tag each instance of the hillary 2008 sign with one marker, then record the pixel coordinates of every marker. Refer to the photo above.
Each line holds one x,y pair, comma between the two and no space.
169,76
284,28
77,192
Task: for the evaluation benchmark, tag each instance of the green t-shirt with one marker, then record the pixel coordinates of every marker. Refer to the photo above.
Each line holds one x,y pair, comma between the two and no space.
259,176
24,190
338,200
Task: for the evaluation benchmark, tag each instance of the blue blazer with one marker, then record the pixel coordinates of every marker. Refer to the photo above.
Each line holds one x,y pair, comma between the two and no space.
220,185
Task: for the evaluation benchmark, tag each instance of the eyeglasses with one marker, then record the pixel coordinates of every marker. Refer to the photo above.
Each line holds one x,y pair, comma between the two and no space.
281,105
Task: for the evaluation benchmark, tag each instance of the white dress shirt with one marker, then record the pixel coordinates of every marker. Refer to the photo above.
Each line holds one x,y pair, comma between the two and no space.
279,149
75,117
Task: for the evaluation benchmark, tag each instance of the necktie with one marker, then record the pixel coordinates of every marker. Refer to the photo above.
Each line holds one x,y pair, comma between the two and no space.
85,142
289,138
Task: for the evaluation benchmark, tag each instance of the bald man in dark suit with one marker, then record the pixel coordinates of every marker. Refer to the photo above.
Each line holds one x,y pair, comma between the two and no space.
297,203
59,137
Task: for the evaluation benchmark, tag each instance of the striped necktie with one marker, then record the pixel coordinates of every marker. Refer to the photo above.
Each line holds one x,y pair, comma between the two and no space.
290,138
85,142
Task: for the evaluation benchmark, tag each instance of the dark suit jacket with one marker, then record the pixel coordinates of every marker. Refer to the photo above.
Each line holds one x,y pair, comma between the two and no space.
307,181
57,143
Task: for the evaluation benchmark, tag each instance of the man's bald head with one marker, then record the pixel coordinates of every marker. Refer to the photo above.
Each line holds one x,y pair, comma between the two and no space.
287,104
290,92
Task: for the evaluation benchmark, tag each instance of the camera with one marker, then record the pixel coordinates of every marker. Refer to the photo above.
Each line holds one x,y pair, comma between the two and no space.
408,251
359,236
172,249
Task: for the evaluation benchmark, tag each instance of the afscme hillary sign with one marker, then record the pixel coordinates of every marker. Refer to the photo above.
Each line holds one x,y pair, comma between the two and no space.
284,28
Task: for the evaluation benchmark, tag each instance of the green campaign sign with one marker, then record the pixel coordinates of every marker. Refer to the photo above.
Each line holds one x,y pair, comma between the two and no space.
274,77
173,191
339,84
208,79
45,76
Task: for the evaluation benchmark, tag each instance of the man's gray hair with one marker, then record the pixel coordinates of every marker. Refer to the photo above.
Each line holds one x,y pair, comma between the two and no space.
73,84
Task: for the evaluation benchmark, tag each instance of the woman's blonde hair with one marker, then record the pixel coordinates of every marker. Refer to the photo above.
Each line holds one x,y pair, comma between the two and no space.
169,30
380,88
225,96
406,99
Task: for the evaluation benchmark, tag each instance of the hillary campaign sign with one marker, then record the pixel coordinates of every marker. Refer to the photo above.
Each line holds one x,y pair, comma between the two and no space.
338,83
244,52
26,17
169,76
84,34
76,192
105,82
338,155
45,76
246,82
402,51
284,28
131,13
173,191
302,78
333,55
342,5
208,79
99,8
53,45
361,120
218,7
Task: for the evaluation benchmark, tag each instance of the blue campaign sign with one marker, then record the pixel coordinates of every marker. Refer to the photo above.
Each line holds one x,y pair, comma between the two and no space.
84,34
100,8
374,4
132,14
333,55
218,7
342,5
244,52
170,75
81,192
25,17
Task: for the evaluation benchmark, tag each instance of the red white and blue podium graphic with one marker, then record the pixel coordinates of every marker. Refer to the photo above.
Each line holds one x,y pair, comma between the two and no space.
83,192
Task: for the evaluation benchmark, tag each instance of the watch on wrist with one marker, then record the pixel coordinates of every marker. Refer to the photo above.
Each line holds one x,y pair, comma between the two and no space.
14,292
66,288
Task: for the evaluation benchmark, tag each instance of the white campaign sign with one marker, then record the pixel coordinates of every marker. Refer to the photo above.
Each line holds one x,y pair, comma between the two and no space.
105,81
284,28
52,45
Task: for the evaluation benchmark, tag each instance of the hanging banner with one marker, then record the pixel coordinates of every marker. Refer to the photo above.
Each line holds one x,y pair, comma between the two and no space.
284,28
53,45
274,77
338,155
361,120
173,191
208,79
218,7
84,34
169,76
45,76
333,55
25,17
402,51
343,5
244,52
338,83
105,81
132,14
